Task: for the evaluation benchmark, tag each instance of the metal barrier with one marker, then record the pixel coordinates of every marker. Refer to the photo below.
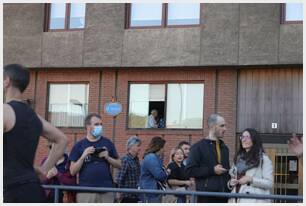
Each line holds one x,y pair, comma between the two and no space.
193,194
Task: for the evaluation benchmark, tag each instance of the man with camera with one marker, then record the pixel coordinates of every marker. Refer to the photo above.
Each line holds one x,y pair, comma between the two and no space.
91,158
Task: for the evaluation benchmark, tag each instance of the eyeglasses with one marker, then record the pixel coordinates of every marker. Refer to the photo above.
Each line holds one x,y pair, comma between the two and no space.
245,137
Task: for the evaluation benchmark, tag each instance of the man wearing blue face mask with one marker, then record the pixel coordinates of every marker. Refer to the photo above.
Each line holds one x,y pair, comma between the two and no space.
91,158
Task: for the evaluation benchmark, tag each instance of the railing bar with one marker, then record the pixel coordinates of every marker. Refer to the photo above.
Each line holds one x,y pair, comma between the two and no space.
281,169
56,195
286,170
145,191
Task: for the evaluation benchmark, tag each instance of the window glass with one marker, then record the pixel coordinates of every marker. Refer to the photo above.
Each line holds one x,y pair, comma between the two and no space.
146,15
77,16
183,14
185,106
294,12
144,99
138,107
68,104
147,106
57,16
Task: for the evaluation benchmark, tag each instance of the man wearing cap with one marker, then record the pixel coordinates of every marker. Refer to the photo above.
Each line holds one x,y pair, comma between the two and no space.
129,173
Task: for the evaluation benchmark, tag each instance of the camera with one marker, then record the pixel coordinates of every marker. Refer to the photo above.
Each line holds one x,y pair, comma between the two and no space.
98,150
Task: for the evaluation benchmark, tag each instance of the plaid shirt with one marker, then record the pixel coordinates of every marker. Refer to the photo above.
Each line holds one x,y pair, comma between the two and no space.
129,173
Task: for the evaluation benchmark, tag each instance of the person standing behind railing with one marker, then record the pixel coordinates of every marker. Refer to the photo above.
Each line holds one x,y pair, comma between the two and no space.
178,179
186,149
59,175
152,172
252,172
208,161
91,158
129,173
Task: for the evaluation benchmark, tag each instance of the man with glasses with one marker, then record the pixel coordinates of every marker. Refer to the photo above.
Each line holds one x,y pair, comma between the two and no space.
208,161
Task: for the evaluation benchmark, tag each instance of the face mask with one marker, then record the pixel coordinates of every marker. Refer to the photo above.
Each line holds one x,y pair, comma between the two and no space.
97,132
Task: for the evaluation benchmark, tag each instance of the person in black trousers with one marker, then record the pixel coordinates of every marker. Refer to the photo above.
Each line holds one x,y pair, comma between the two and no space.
208,161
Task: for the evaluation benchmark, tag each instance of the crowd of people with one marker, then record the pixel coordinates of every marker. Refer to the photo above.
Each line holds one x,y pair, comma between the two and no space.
203,166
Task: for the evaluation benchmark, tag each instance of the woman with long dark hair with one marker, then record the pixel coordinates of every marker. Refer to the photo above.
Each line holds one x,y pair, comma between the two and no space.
152,171
252,172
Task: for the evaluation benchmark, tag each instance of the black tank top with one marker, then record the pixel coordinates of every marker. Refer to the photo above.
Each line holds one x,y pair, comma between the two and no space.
20,145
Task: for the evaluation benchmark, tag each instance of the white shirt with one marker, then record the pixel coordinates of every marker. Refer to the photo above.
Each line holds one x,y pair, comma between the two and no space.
152,122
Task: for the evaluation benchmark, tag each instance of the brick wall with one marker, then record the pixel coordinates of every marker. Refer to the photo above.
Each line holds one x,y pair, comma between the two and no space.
225,101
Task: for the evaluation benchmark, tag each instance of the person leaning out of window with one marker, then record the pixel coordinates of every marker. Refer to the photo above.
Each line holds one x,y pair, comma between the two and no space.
252,172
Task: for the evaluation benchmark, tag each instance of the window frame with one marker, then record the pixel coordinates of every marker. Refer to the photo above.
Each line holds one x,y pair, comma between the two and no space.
165,109
67,19
283,16
164,19
48,100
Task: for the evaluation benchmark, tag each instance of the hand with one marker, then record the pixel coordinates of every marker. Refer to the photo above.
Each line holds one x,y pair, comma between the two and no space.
104,154
295,145
51,173
188,183
88,151
168,171
192,180
233,182
219,169
245,179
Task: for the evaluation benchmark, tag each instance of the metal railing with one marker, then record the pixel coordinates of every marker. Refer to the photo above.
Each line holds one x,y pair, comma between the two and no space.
193,194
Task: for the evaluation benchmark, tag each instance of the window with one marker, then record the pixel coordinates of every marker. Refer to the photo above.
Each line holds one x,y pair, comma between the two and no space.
292,13
183,14
172,106
162,15
62,16
68,104
146,15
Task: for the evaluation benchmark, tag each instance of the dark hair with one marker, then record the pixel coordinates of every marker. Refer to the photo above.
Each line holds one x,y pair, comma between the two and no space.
156,144
18,74
87,120
255,154
183,143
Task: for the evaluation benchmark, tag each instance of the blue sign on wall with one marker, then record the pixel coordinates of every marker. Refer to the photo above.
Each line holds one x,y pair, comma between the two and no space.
113,108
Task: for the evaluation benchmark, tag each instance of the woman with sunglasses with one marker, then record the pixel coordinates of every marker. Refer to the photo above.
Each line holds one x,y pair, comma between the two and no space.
252,172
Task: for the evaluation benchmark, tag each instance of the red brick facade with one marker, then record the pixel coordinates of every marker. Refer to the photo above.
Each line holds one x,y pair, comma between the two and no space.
220,90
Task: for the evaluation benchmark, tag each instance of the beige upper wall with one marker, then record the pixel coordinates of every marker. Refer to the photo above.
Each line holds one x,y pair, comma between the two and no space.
229,34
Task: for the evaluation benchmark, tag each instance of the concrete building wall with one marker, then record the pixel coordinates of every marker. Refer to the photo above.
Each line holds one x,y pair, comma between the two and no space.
229,34
22,32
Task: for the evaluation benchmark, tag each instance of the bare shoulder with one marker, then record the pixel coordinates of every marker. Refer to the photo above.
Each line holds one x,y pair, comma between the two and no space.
9,118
